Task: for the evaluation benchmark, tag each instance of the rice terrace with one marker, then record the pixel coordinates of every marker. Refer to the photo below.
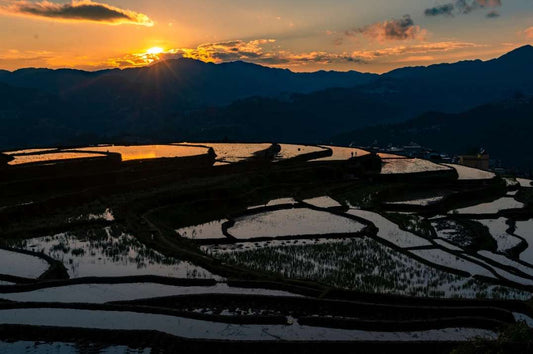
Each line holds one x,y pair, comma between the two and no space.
282,176
200,245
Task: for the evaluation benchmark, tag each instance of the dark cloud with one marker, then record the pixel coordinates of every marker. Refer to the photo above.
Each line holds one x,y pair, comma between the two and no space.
395,29
446,9
463,7
81,10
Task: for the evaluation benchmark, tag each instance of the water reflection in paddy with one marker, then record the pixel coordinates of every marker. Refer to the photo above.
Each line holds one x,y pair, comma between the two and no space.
107,252
228,152
395,166
142,152
21,265
192,328
292,222
343,153
469,173
56,156
289,151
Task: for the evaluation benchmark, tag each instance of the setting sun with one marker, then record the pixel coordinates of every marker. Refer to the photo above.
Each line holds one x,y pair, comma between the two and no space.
155,50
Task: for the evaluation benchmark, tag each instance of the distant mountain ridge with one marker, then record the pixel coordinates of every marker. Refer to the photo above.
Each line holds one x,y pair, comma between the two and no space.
518,58
205,83
185,99
392,97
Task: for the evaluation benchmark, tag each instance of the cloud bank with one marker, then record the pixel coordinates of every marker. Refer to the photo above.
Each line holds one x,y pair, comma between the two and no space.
265,52
259,51
77,10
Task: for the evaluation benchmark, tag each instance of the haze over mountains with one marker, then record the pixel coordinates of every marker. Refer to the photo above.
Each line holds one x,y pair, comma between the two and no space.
190,100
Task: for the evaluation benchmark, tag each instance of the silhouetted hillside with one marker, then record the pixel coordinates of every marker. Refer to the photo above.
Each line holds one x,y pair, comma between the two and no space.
187,99
304,118
457,87
191,82
504,129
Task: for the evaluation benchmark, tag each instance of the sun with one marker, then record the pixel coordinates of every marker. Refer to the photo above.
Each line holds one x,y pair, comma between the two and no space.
155,50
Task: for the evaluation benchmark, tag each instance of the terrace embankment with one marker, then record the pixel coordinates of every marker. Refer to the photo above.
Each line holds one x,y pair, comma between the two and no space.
454,193
370,313
109,163
323,152
4,160
166,343
267,154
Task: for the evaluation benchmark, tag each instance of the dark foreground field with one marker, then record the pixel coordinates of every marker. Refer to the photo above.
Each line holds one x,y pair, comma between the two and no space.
303,252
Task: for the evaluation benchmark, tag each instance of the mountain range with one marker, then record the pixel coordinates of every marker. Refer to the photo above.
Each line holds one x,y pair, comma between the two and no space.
185,99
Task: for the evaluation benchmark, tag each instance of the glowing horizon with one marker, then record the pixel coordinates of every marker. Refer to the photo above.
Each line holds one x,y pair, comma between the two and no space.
345,35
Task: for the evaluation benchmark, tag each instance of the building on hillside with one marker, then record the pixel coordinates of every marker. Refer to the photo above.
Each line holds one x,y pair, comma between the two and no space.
480,160
414,150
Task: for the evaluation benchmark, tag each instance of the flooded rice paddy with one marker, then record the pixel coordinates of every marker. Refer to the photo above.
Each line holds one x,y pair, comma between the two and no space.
361,264
292,222
418,202
53,157
289,151
448,260
493,207
40,347
30,151
403,165
469,173
21,265
390,231
388,269
323,202
279,201
343,153
192,328
236,152
208,231
525,183
525,230
108,253
498,230
143,152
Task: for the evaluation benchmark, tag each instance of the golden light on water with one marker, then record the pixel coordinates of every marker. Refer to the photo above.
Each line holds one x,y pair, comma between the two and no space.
144,152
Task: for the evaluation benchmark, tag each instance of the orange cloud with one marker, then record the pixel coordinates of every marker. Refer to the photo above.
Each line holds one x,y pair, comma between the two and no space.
210,52
259,51
529,32
263,51
424,48
77,10
229,51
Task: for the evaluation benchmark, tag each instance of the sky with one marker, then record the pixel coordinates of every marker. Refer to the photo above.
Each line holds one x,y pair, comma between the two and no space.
301,35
